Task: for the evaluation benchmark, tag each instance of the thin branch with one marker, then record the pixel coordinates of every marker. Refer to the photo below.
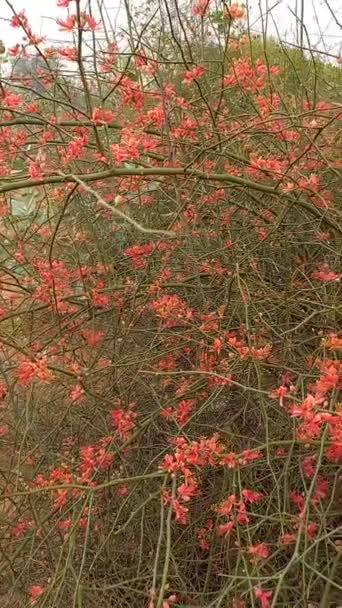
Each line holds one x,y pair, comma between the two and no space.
168,172
120,214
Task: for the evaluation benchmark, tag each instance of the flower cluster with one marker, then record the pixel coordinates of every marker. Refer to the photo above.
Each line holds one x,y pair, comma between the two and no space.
124,421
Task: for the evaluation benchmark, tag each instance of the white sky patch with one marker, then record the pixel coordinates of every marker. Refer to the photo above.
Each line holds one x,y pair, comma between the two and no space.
323,31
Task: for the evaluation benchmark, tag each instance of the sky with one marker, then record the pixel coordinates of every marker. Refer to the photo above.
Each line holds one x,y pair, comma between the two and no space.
324,33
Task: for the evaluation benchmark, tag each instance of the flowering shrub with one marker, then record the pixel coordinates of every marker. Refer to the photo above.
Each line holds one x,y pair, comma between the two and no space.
171,428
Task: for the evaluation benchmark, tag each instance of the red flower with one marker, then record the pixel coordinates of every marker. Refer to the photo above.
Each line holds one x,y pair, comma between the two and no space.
234,11
65,525
123,491
325,274
333,342
11,100
68,24
35,592
19,20
181,512
309,466
93,338
172,310
184,410
170,600
203,533
124,422
298,500
61,499
250,496
230,460
311,530
68,52
242,516
102,116
260,551
86,22
225,529
193,74
35,170
200,8
226,507
92,23
187,491
287,539
249,456
280,393
76,392
20,529
3,391
264,597
34,370
3,430
15,50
